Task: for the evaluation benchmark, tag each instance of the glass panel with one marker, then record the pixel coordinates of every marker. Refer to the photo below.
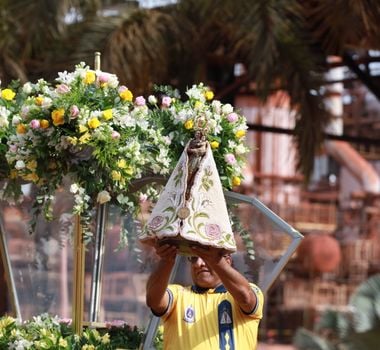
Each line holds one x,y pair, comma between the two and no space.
125,272
42,260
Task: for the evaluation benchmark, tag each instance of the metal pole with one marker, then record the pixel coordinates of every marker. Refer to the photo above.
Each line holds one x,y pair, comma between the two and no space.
9,274
78,285
101,221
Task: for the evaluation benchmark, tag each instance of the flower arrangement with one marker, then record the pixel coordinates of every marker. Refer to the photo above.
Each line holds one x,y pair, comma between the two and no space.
224,128
88,130
47,332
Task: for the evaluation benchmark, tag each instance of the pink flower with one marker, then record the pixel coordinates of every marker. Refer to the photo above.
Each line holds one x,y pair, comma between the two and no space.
232,117
24,111
156,222
35,124
122,88
230,158
103,78
143,197
67,321
140,101
115,135
166,101
13,148
63,89
74,111
213,231
115,323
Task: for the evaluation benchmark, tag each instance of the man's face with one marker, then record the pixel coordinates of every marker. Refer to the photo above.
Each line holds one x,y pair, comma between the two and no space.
202,275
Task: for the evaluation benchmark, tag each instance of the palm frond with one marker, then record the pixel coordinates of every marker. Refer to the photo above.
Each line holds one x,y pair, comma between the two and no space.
366,302
341,24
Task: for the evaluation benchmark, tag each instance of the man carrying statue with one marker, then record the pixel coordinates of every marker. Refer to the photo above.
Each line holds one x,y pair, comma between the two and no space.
221,310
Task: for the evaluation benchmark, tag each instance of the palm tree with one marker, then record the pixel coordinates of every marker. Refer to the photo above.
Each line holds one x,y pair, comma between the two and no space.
282,44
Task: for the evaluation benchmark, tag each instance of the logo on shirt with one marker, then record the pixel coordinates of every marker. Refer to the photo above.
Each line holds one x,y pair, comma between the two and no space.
226,318
189,314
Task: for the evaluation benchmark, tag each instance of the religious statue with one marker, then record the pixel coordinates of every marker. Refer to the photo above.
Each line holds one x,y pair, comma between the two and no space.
192,210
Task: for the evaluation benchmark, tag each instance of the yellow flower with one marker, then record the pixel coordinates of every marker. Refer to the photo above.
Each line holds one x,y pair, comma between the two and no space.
129,170
13,174
240,133
82,128
89,77
121,163
126,95
93,123
39,100
31,177
21,129
62,342
8,94
236,181
6,321
84,138
58,116
72,140
32,165
209,95
189,124
214,144
88,347
44,124
107,114
198,105
116,175
106,338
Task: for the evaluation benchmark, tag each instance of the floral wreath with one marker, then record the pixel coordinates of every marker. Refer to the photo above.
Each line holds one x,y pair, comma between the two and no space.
89,131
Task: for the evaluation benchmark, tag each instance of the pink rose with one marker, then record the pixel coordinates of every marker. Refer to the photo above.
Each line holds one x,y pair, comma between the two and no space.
63,89
213,231
166,101
232,117
122,88
140,101
115,135
103,78
35,124
230,158
74,111
143,197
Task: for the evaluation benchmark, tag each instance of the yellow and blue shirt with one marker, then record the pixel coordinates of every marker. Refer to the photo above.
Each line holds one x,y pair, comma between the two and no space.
209,319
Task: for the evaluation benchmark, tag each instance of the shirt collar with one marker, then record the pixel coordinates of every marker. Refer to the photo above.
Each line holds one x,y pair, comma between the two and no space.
201,290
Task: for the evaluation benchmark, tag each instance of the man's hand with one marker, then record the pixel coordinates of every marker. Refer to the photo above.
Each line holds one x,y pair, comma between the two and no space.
210,255
166,252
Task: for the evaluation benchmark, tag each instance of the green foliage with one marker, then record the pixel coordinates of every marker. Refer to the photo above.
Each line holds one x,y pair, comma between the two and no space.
51,333
356,328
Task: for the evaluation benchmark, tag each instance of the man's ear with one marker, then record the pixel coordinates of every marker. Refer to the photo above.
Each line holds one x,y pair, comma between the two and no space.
229,259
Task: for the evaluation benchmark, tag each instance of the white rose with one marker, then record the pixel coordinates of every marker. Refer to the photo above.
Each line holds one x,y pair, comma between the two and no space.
27,88
74,188
20,165
227,109
152,99
103,197
3,121
240,149
16,120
